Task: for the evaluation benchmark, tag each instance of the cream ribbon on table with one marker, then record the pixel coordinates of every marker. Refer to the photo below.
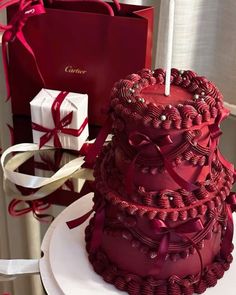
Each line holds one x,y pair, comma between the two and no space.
44,185
10,269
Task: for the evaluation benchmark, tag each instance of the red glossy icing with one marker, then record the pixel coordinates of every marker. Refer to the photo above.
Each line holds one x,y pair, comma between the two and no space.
130,259
138,104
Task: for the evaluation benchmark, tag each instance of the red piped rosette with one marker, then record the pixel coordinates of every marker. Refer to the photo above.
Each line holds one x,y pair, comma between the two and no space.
127,102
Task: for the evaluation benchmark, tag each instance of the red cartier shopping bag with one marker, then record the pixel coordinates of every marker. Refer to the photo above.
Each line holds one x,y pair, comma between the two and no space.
76,46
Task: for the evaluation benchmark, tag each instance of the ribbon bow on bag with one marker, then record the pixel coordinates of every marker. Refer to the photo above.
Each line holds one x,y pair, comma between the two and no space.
15,30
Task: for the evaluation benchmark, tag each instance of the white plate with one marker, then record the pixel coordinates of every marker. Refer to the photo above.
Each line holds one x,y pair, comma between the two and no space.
65,268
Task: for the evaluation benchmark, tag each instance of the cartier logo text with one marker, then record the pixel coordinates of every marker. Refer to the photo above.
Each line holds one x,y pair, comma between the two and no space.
74,70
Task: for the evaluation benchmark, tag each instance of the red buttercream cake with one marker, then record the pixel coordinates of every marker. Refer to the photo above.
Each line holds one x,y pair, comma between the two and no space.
162,188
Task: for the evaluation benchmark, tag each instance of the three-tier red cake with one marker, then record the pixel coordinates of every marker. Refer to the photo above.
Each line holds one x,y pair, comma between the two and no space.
162,187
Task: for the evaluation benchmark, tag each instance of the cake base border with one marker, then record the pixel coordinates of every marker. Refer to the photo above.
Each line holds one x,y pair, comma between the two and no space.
136,285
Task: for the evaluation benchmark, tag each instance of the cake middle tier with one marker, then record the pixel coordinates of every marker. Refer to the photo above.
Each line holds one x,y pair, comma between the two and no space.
160,194
156,157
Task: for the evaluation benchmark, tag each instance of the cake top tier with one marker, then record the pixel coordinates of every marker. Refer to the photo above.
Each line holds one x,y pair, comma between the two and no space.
193,99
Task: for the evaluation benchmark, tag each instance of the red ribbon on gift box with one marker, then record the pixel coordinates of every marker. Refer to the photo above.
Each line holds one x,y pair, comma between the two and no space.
59,124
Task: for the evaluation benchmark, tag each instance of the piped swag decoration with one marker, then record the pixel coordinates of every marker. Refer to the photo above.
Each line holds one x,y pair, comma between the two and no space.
161,228
143,142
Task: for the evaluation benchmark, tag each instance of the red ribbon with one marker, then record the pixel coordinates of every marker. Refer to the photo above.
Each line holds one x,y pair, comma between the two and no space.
14,30
53,165
98,225
138,140
96,147
160,227
59,124
36,207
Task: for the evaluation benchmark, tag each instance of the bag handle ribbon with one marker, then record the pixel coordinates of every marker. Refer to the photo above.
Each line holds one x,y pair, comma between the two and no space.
15,30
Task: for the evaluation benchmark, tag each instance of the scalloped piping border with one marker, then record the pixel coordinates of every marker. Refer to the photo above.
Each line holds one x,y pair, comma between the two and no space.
174,214
127,101
136,285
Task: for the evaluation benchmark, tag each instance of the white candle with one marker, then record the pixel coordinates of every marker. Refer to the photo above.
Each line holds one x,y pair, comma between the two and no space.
170,34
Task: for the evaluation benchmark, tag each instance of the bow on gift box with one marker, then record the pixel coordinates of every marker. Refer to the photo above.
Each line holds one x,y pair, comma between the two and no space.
140,140
53,165
59,124
14,30
161,228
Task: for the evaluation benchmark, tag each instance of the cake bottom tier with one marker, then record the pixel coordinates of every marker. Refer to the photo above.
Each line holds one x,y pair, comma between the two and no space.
149,285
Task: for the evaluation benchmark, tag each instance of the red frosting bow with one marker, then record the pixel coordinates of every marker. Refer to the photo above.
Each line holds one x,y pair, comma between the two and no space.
138,140
14,30
160,227
59,124
36,207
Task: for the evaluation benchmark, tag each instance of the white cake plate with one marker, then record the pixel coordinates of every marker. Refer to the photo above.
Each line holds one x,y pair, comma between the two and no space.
65,268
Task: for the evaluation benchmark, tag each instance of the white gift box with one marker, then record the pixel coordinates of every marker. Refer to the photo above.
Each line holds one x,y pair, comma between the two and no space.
41,114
